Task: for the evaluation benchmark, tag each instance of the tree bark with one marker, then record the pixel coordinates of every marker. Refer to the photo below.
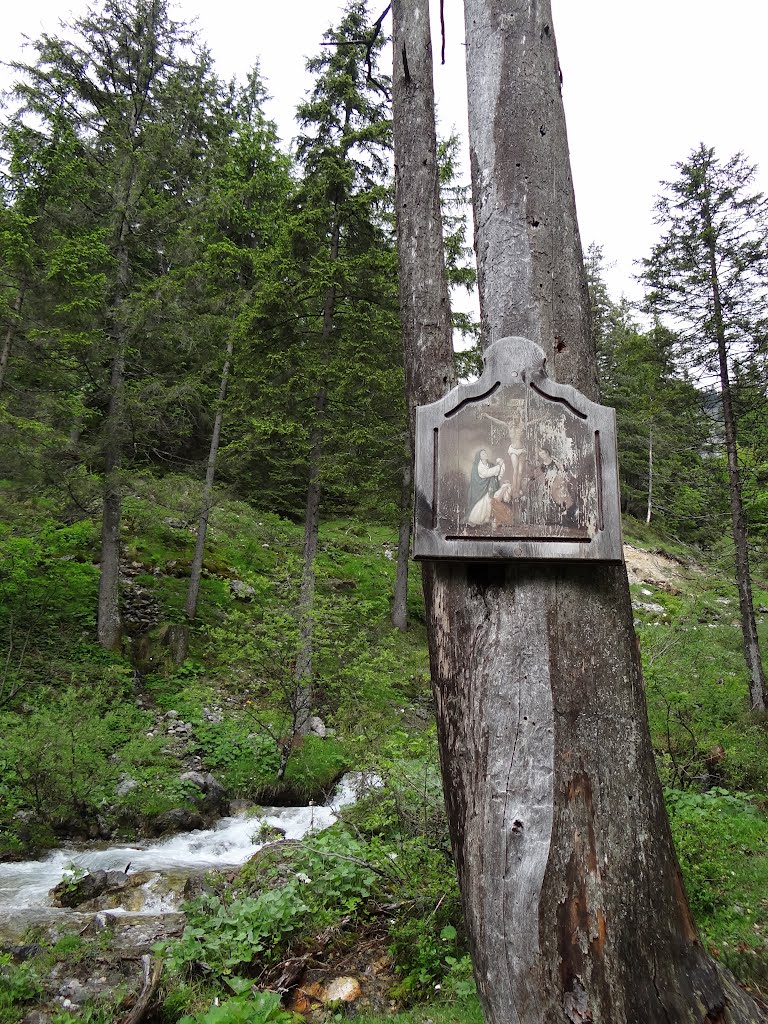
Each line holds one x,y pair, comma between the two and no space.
196,570
400,599
425,309
571,890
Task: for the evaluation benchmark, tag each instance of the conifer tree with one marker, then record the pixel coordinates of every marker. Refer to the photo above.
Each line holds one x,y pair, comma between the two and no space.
136,104
350,358
50,277
707,277
226,266
661,421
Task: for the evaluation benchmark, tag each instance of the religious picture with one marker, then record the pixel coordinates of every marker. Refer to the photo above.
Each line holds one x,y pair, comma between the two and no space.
516,466
515,463
483,484
516,451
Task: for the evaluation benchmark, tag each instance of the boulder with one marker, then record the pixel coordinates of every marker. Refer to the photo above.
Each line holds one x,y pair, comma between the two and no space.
196,778
241,591
125,786
180,819
73,990
214,796
71,892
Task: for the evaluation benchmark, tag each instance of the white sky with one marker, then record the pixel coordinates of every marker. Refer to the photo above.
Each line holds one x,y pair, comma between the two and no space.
643,84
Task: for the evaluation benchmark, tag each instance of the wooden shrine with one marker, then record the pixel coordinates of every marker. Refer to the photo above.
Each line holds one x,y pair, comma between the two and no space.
515,466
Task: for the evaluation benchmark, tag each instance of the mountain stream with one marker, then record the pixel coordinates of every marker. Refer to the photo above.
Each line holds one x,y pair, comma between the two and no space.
164,865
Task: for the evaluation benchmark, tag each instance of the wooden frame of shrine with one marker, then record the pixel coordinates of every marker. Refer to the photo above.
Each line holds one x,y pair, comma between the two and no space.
515,466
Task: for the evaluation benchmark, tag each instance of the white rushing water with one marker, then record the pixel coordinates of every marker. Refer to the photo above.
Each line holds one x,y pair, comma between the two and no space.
24,886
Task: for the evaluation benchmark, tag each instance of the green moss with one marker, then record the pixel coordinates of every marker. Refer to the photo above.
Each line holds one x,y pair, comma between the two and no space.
316,765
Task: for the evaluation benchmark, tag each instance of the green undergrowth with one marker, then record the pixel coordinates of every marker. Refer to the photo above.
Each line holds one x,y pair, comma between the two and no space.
703,730
20,986
236,688
461,1011
384,871
711,749
246,1006
722,844
23,985
653,538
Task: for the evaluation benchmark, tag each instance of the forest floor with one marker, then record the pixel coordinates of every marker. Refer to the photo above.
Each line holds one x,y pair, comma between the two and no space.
380,907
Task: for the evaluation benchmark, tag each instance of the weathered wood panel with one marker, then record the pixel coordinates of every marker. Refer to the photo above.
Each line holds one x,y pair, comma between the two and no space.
515,466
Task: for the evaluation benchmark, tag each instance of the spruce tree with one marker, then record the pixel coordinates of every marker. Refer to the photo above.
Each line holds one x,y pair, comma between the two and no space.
351,379
707,278
134,96
662,425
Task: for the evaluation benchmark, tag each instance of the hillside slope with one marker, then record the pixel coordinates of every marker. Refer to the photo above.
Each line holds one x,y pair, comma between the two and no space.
114,746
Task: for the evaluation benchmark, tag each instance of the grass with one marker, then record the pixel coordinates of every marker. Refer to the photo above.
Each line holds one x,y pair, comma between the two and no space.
371,687
241,658
467,1011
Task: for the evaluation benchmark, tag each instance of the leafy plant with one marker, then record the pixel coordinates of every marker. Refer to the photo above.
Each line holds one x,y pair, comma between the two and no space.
18,984
330,879
246,1007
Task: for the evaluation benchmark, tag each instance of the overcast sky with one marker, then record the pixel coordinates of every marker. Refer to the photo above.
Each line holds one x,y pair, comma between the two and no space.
643,84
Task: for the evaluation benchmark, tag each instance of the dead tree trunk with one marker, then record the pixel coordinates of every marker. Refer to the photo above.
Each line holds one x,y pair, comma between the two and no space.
425,309
757,688
196,570
571,890
400,599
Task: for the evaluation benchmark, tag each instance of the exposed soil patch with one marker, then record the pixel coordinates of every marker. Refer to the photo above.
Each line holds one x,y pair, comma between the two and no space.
659,570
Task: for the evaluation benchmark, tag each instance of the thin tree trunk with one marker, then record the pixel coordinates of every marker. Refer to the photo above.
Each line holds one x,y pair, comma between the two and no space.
757,686
303,674
303,696
109,627
108,623
650,475
400,599
425,309
571,890
5,351
196,570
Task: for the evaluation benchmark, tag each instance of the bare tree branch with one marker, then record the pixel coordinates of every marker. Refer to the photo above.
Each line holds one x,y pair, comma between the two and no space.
368,42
